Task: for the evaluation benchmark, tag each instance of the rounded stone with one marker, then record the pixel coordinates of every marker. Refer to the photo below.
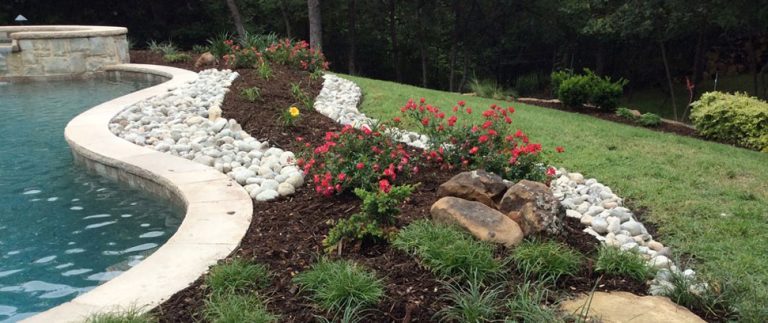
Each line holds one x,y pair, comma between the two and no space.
285,189
586,220
267,195
270,184
573,214
655,245
296,180
600,225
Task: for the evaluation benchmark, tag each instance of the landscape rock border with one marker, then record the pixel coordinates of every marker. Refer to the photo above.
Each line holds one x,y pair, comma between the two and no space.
595,204
218,211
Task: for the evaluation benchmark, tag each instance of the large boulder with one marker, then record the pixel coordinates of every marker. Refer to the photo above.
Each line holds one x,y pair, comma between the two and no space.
483,222
476,185
626,307
532,206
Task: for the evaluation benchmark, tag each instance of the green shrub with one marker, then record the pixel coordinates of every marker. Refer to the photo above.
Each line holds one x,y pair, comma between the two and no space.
577,89
335,285
471,303
164,48
237,276
251,94
546,260
649,120
375,219
735,118
260,42
131,315
489,89
626,113
176,57
199,49
613,261
232,308
219,45
527,304
448,251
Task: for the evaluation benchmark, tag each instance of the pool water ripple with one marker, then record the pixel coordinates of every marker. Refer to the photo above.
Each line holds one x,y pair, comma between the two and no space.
64,231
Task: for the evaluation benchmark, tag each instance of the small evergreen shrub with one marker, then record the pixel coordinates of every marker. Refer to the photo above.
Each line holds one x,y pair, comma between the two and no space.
578,89
626,113
546,260
649,120
335,285
736,118
448,251
614,261
237,276
471,303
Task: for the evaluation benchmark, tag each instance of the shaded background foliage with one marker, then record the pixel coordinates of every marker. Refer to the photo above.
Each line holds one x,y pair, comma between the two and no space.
443,44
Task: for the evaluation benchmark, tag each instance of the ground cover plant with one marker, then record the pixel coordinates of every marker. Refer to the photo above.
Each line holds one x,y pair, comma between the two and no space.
546,260
336,285
613,261
287,235
701,201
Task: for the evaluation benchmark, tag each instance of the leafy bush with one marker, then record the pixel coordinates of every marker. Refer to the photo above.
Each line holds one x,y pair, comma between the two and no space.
491,145
251,94
649,120
578,89
296,54
219,46
352,158
237,276
375,219
471,303
338,284
259,42
735,118
488,89
176,57
230,308
626,113
448,251
546,260
199,49
614,261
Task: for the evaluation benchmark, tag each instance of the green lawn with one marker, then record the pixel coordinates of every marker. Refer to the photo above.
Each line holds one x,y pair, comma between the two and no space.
710,201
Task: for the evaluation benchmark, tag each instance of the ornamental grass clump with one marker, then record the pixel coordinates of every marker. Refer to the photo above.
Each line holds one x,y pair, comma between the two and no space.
352,158
335,285
237,276
546,260
613,261
492,145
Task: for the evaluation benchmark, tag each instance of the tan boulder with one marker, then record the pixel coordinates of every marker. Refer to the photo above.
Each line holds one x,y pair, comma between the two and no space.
476,185
619,307
205,59
537,208
483,222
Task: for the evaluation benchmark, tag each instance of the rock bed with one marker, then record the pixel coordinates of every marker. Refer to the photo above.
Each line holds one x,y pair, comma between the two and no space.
594,204
187,122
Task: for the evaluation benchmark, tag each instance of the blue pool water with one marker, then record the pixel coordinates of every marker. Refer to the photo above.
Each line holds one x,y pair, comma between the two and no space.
64,231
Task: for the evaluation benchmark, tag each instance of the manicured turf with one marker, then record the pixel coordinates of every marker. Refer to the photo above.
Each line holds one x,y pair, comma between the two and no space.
709,200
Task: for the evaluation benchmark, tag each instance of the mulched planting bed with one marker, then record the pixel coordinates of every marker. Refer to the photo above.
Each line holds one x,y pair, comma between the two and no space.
287,234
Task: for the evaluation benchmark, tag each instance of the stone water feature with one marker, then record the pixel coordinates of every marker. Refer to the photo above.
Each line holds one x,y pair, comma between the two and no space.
59,52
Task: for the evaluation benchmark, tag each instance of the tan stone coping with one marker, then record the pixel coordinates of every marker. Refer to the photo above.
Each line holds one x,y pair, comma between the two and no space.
62,31
218,210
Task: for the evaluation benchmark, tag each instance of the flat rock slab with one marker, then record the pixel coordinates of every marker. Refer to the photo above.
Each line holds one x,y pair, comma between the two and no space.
619,307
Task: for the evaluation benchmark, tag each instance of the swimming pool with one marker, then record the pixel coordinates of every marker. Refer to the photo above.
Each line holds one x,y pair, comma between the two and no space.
64,231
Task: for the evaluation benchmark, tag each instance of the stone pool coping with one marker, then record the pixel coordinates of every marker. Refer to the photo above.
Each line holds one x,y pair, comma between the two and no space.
61,31
218,210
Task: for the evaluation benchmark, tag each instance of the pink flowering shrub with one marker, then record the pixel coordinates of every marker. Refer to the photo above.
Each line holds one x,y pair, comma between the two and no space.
491,144
352,158
296,54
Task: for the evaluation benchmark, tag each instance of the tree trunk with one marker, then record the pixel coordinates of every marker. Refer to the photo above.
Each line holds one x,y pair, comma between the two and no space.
236,17
669,77
454,45
393,37
286,20
351,28
465,71
697,72
315,25
421,41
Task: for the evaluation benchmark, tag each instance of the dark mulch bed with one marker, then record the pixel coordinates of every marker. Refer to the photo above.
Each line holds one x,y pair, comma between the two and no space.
287,234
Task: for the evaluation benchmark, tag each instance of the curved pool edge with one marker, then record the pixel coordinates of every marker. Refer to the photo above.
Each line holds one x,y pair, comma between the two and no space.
218,210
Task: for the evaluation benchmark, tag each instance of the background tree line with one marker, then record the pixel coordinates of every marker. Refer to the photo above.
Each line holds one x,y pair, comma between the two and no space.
444,44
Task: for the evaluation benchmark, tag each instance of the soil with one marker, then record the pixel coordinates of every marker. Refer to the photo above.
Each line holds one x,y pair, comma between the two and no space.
287,234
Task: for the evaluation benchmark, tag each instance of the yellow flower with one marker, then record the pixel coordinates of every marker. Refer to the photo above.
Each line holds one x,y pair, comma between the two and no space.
293,111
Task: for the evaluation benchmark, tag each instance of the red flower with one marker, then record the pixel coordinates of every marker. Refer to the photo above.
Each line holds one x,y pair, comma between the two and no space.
559,149
489,113
469,110
461,103
487,124
518,133
474,150
509,138
360,165
441,115
452,121
551,171
455,108
396,119
367,131
425,121
482,139
511,110
342,176
384,186
492,132
507,119
422,100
